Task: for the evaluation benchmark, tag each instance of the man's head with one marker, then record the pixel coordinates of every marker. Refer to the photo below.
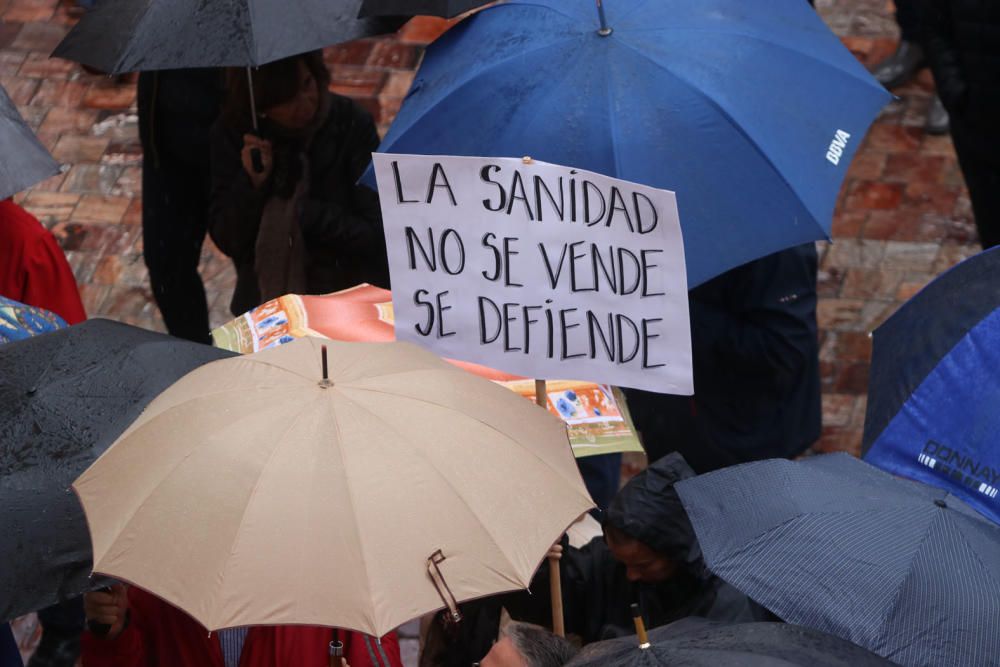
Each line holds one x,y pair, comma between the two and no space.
526,645
642,563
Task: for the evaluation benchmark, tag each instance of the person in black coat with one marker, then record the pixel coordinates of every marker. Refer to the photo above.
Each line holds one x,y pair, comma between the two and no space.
963,46
649,555
756,369
300,224
176,111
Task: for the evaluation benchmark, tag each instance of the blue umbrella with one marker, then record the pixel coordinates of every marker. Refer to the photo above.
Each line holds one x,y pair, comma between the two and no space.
18,321
901,568
934,394
749,110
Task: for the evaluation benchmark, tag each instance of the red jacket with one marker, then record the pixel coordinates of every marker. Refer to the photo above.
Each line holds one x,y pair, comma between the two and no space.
33,269
160,635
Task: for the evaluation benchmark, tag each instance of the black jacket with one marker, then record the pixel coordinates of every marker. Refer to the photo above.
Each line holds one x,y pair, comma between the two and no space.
963,47
340,221
596,593
756,368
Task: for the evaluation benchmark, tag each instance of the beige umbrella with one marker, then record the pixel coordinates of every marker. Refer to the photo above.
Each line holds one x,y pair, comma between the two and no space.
253,492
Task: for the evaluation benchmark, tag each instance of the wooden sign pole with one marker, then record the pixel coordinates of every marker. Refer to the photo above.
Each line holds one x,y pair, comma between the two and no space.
555,582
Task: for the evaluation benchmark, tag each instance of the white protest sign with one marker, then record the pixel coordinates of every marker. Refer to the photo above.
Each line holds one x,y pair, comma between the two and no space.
537,269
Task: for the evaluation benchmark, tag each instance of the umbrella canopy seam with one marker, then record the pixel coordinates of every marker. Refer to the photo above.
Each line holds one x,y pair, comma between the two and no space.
856,76
282,441
350,499
402,438
466,416
249,37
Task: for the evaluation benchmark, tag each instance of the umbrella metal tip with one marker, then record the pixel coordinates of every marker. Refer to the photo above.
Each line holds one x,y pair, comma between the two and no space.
940,503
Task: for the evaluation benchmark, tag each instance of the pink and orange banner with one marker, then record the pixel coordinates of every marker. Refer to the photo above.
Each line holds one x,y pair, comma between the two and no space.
595,414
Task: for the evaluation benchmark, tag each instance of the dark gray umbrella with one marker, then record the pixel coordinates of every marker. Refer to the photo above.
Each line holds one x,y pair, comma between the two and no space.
899,567
444,8
696,642
64,398
24,160
131,35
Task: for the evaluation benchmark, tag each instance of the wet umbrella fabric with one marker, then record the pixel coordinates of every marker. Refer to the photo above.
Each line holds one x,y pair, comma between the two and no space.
934,393
18,321
901,568
64,397
334,494
25,161
749,111
696,642
129,35
443,8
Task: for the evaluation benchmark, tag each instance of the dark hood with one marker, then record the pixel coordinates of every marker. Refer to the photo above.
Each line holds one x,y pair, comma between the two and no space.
649,510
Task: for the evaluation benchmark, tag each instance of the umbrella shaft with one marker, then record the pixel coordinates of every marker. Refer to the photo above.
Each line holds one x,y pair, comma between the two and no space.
253,102
605,30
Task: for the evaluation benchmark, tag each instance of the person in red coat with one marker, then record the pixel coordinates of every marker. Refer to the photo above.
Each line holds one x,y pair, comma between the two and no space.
146,631
33,269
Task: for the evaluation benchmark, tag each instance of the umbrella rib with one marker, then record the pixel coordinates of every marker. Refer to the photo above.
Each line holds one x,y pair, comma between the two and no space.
732,122
614,127
249,37
898,597
354,505
467,416
282,442
448,482
453,89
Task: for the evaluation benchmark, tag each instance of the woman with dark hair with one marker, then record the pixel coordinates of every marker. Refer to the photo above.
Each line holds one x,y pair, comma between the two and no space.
295,222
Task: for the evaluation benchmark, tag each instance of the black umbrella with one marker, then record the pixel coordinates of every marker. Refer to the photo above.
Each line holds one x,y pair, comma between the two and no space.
64,398
696,642
444,8
24,160
135,35
131,35
832,543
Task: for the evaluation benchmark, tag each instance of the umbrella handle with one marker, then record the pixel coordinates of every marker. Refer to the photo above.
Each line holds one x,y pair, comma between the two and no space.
437,578
257,160
99,629
255,157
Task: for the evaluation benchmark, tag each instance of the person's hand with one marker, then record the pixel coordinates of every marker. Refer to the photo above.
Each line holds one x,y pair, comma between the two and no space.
108,607
555,552
250,142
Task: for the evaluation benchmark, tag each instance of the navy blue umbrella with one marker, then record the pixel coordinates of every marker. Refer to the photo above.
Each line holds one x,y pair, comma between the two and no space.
934,393
901,568
749,110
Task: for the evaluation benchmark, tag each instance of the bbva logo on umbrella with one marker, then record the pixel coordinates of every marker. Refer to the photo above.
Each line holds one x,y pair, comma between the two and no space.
837,147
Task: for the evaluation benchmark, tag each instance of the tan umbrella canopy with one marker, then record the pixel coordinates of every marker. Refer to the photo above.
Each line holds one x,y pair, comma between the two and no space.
252,492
